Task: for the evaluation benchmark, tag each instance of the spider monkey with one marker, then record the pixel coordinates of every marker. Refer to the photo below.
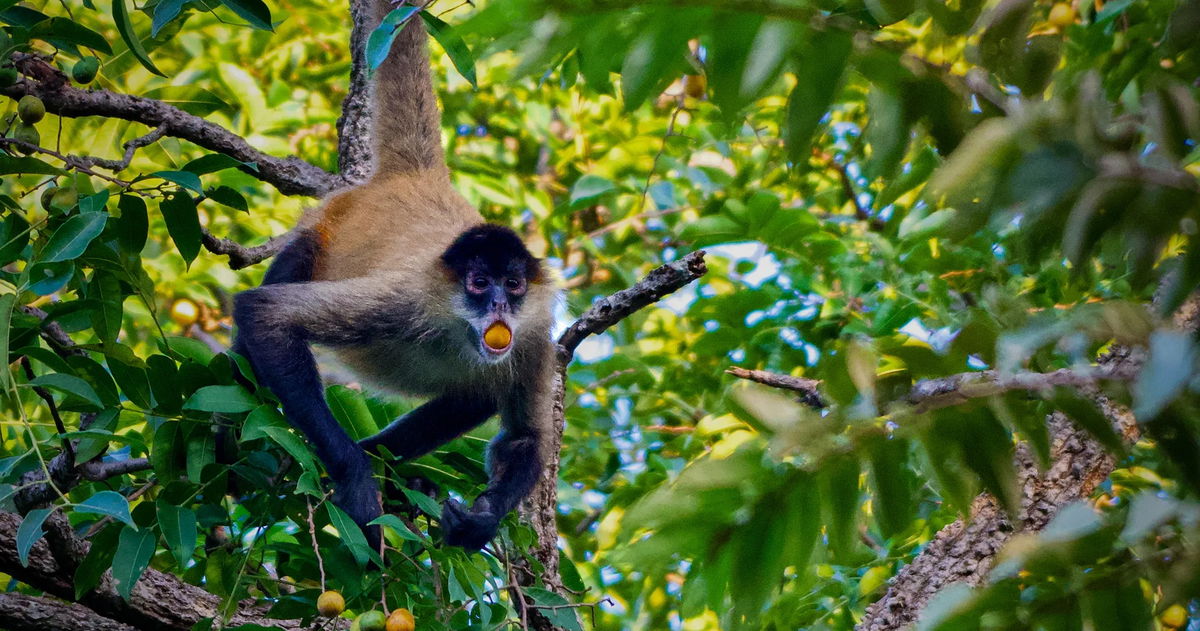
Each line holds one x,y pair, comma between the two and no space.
405,283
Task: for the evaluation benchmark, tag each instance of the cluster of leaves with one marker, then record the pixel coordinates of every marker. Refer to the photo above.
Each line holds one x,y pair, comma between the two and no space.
888,191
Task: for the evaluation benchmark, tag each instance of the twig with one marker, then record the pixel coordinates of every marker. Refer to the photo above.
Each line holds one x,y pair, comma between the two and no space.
73,162
108,518
807,388
98,470
239,255
612,309
312,530
131,146
49,399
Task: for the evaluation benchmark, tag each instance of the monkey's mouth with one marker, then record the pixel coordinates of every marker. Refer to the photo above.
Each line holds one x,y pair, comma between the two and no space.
497,339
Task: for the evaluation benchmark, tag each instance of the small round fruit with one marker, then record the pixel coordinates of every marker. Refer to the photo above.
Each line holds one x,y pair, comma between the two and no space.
1062,15
64,198
498,336
184,312
329,604
1175,616
31,109
401,620
26,133
85,70
48,196
8,76
372,621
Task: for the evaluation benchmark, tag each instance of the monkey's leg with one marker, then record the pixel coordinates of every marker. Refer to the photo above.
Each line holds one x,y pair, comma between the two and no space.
515,461
435,423
276,323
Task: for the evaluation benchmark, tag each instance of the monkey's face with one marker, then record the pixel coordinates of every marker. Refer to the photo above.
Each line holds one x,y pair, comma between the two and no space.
495,271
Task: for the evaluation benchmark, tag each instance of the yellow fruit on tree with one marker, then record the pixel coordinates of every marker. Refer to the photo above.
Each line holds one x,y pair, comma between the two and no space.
329,604
1062,15
31,109
184,312
401,620
1175,616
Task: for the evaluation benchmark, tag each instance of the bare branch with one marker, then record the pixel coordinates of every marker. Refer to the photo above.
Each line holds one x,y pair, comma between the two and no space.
355,161
19,612
98,470
807,388
239,255
933,394
131,146
291,175
611,310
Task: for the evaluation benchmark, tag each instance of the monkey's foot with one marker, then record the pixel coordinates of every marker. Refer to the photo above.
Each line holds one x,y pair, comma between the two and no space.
471,528
359,497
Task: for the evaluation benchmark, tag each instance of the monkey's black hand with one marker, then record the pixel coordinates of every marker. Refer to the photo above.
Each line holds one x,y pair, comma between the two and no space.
471,528
358,494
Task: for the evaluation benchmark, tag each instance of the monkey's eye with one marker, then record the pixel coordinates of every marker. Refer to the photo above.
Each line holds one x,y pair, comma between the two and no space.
515,285
478,283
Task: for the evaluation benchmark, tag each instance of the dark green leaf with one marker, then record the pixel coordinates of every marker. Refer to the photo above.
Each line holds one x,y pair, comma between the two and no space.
818,80
893,501
14,236
63,32
1085,414
178,526
379,42
226,399
228,197
69,384
134,550
453,44
253,11
73,237
98,560
109,503
29,532
133,225
10,165
185,179
1168,370
589,188
554,608
125,28
6,309
352,535
214,162
183,224
164,12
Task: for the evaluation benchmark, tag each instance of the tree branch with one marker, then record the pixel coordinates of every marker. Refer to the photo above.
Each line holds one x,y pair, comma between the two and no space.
291,175
611,310
239,255
807,388
19,612
355,161
159,601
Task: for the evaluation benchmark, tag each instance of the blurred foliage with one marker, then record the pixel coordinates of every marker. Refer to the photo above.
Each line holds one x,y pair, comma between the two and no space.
890,190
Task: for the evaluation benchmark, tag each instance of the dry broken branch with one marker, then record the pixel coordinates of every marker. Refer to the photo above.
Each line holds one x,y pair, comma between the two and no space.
239,255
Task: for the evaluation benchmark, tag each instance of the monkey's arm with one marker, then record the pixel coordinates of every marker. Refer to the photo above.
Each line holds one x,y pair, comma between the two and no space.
515,459
435,423
276,323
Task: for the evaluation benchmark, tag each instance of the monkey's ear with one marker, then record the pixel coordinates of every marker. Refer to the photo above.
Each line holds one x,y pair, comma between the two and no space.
533,270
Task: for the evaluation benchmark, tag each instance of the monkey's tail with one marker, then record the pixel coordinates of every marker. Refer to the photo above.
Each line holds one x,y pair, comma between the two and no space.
406,130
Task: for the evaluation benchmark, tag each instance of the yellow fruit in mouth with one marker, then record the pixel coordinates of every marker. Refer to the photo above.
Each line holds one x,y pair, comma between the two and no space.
497,336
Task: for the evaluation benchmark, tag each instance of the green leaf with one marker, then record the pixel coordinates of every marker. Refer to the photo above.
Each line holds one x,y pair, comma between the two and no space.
453,44
6,309
399,527
11,165
893,500
191,99
14,236
351,412
164,12
133,381
225,399
133,225
227,196
69,384
108,503
266,421
379,42
1170,367
134,550
183,224
178,526
63,32
554,607
838,479
253,11
352,535
185,179
125,28
656,56
423,502
29,532
105,289
98,560
818,80
589,188
73,237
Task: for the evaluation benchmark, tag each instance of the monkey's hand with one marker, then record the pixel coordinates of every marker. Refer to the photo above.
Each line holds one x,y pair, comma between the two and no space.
358,495
471,528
